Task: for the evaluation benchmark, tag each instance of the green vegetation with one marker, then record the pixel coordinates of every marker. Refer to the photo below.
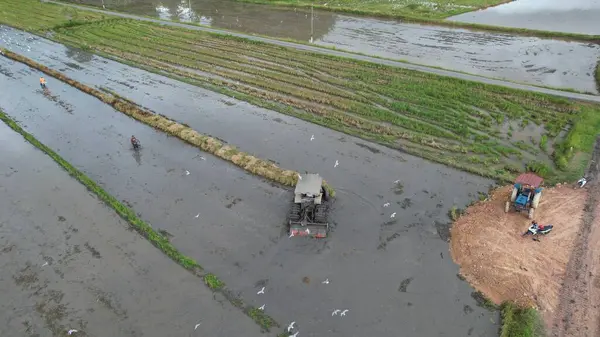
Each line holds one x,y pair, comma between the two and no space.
142,227
213,282
36,16
451,121
417,9
520,322
454,213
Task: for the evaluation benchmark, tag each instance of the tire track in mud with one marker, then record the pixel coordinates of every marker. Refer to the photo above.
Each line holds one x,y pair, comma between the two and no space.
575,312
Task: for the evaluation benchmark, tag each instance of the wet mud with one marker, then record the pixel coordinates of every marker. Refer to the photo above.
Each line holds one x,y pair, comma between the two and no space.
69,262
575,16
239,232
528,60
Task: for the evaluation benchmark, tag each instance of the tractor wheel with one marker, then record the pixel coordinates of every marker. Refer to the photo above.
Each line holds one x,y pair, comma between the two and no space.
321,214
507,207
325,194
295,212
536,200
530,213
513,196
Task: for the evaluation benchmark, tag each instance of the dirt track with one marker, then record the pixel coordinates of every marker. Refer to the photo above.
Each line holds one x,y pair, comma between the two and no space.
579,309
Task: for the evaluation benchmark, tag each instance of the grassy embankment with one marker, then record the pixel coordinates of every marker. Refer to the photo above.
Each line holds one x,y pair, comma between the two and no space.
158,240
432,12
484,129
402,9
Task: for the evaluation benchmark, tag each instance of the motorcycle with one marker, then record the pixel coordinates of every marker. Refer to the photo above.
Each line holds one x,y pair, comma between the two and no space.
534,230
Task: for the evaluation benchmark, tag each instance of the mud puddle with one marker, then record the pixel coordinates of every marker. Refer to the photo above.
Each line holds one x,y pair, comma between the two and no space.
557,63
242,241
575,16
69,262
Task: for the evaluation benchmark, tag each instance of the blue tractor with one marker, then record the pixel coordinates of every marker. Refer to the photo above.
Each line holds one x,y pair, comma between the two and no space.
526,194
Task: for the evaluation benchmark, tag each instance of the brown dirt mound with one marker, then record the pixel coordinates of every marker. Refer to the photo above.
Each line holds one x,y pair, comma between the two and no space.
495,259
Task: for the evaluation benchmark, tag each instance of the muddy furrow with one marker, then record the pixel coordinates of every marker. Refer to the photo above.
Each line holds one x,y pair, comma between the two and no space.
576,313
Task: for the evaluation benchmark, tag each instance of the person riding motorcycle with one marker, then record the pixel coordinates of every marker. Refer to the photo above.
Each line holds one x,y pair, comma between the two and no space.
135,142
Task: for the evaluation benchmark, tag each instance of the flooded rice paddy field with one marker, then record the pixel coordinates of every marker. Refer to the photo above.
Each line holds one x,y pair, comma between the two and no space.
388,272
574,16
69,262
529,60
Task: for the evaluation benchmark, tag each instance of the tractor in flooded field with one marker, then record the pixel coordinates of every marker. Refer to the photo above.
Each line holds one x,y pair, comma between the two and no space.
526,194
310,209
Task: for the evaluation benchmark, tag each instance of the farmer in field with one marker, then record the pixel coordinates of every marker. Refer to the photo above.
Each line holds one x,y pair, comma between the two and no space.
43,82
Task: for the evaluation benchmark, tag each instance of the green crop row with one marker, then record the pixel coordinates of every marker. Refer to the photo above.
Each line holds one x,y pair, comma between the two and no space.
452,121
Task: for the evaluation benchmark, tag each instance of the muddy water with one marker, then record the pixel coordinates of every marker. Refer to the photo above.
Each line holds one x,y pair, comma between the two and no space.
69,262
522,59
573,16
390,273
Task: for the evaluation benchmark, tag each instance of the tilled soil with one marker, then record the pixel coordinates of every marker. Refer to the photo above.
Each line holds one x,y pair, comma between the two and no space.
497,260
387,271
69,262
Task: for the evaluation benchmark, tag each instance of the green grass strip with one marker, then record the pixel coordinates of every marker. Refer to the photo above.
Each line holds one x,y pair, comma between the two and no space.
158,240
520,321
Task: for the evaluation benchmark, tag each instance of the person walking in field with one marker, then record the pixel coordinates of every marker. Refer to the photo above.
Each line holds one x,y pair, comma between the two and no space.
43,82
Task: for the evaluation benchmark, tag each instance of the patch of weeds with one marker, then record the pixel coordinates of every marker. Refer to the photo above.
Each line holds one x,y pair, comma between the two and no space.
544,143
213,282
539,168
454,213
520,321
259,316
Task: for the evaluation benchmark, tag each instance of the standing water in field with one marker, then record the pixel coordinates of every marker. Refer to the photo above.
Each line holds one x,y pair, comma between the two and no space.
528,60
571,16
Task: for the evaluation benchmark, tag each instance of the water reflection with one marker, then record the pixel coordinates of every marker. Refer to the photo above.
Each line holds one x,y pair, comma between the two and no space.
243,17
